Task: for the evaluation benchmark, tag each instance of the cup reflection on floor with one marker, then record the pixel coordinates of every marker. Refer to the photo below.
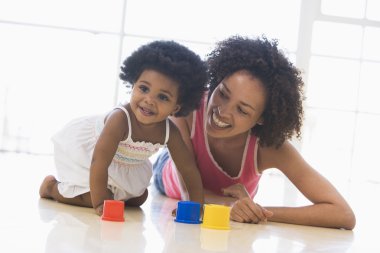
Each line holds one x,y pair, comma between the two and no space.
111,231
214,240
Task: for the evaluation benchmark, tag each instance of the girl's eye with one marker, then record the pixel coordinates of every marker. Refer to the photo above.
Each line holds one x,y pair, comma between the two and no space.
163,97
143,88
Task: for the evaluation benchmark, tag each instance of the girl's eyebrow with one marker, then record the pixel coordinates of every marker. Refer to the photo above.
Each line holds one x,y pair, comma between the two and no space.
241,102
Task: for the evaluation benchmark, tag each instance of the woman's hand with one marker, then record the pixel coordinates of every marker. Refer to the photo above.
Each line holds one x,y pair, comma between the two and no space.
246,211
236,191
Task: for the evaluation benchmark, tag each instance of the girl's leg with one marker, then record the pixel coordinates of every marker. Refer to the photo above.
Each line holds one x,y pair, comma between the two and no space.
138,201
49,190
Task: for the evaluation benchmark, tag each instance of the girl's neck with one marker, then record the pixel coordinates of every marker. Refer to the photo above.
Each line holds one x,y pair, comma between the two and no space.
141,126
146,132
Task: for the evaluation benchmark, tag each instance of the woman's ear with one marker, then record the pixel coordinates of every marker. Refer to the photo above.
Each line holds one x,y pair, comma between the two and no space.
260,122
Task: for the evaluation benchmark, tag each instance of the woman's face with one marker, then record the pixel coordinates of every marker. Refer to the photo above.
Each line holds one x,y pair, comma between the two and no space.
235,106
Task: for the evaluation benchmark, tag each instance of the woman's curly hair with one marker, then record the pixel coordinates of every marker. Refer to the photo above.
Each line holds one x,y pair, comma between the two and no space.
176,62
283,113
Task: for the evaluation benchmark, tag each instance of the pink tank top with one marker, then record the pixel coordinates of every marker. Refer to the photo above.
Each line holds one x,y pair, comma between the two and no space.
213,177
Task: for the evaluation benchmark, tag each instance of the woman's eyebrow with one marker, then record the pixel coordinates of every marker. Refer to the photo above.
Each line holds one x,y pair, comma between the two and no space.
247,105
225,87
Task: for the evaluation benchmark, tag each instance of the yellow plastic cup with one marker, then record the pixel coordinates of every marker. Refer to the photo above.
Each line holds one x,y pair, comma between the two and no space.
216,217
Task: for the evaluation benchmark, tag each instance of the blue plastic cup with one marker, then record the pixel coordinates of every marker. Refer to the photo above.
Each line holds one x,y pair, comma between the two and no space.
188,212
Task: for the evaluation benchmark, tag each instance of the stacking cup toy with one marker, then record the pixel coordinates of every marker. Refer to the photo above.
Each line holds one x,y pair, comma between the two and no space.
188,212
113,210
216,216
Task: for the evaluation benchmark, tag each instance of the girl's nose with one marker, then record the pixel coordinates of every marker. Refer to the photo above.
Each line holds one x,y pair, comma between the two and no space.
148,100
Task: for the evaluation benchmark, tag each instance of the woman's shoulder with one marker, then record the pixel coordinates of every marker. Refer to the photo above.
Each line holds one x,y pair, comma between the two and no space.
276,157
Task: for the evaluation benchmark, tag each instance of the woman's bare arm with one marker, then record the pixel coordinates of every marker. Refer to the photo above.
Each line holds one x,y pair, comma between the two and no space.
329,208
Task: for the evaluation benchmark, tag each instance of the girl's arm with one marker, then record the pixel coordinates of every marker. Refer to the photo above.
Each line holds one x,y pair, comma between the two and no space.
105,149
185,163
184,125
329,209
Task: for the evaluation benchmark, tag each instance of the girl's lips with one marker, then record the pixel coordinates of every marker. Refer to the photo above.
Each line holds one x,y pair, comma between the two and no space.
145,111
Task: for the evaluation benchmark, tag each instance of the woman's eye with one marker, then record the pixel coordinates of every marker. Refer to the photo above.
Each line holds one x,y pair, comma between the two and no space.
222,94
242,111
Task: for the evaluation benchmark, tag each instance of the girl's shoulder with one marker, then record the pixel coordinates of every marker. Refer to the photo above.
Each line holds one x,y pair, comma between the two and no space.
116,121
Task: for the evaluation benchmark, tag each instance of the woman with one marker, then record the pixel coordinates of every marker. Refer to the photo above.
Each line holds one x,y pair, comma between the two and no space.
252,109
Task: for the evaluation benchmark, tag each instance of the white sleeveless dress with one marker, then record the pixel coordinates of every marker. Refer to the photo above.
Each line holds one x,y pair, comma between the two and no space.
129,173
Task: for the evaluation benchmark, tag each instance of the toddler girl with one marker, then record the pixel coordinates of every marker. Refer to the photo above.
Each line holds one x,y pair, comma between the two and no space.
107,156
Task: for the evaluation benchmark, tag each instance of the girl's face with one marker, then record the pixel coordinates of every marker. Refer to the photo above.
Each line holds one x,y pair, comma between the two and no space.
235,106
154,97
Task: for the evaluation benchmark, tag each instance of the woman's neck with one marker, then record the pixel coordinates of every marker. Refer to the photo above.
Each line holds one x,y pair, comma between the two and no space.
235,141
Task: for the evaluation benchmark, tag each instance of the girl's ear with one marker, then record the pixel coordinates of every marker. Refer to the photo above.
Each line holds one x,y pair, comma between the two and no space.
177,108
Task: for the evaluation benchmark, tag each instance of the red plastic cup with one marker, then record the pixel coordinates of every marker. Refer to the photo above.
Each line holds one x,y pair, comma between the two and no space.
113,210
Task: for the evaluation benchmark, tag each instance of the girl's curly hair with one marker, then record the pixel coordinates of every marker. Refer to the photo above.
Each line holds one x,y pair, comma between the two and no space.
176,62
283,113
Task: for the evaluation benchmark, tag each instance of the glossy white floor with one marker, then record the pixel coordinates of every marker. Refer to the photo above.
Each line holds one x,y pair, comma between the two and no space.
31,224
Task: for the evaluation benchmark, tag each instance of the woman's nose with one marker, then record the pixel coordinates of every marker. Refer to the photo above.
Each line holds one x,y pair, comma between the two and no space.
224,109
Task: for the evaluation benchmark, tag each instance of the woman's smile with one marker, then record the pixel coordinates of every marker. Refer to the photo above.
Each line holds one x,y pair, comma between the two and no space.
219,122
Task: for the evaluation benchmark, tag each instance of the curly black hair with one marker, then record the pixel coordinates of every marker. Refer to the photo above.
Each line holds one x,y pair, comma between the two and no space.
283,113
176,62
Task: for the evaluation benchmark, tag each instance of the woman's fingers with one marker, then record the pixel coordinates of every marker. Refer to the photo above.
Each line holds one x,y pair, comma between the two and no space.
266,212
245,210
237,191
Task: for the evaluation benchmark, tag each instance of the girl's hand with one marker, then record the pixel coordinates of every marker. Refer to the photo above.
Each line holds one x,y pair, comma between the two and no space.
236,191
99,210
246,211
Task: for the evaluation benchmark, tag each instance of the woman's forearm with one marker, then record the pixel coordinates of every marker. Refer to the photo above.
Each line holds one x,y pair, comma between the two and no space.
320,215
